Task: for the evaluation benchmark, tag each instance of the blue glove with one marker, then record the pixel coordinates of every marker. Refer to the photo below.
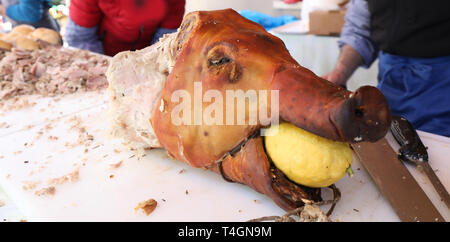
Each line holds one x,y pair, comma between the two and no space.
83,38
267,21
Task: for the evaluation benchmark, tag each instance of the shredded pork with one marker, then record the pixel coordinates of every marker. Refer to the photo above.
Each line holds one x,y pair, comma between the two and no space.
136,79
51,71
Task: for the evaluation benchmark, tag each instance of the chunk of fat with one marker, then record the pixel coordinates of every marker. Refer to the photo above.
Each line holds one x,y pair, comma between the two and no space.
136,80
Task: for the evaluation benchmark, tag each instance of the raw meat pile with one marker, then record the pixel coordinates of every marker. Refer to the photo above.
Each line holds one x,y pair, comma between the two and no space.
51,71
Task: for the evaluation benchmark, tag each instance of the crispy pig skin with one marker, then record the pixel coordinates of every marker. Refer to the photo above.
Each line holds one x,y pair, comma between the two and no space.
252,59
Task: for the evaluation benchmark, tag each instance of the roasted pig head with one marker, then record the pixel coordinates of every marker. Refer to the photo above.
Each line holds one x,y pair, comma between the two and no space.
213,54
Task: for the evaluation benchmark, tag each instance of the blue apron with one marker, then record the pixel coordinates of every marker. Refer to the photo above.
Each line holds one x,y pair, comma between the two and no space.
418,89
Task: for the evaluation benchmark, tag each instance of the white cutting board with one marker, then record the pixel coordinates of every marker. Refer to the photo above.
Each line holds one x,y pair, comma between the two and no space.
105,194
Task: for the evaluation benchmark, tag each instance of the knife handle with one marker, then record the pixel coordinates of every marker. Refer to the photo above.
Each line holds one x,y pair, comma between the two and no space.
412,147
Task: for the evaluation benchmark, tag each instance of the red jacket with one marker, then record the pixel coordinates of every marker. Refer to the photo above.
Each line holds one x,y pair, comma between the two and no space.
127,24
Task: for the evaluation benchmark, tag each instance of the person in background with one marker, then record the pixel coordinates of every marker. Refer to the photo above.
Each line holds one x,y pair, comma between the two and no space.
411,39
31,12
109,27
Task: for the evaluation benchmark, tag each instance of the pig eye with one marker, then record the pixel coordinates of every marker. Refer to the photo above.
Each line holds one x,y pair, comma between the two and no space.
219,61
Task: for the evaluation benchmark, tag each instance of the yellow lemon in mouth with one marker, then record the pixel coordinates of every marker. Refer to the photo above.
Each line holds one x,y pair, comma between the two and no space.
306,158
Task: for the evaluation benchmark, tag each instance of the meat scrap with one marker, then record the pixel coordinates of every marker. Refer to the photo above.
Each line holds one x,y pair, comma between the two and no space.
45,191
313,213
15,103
30,185
148,206
50,72
2,53
115,165
71,177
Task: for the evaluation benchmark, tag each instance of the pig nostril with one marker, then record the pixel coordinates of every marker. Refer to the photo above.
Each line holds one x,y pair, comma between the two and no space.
359,113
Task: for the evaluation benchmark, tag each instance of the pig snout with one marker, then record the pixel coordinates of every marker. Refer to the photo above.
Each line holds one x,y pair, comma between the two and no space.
330,111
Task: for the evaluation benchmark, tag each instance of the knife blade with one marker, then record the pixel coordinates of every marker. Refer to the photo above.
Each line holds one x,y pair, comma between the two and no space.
393,179
413,151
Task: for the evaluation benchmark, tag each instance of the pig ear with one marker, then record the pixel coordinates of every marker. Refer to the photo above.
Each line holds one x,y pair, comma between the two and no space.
190,21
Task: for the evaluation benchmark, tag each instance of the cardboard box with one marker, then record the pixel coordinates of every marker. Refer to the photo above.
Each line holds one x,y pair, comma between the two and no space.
326,22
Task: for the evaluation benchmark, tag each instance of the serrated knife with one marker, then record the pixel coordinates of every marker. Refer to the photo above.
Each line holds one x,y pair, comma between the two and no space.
393,179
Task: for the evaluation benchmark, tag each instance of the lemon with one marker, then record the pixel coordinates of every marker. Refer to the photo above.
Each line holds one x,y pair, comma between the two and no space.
306,158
